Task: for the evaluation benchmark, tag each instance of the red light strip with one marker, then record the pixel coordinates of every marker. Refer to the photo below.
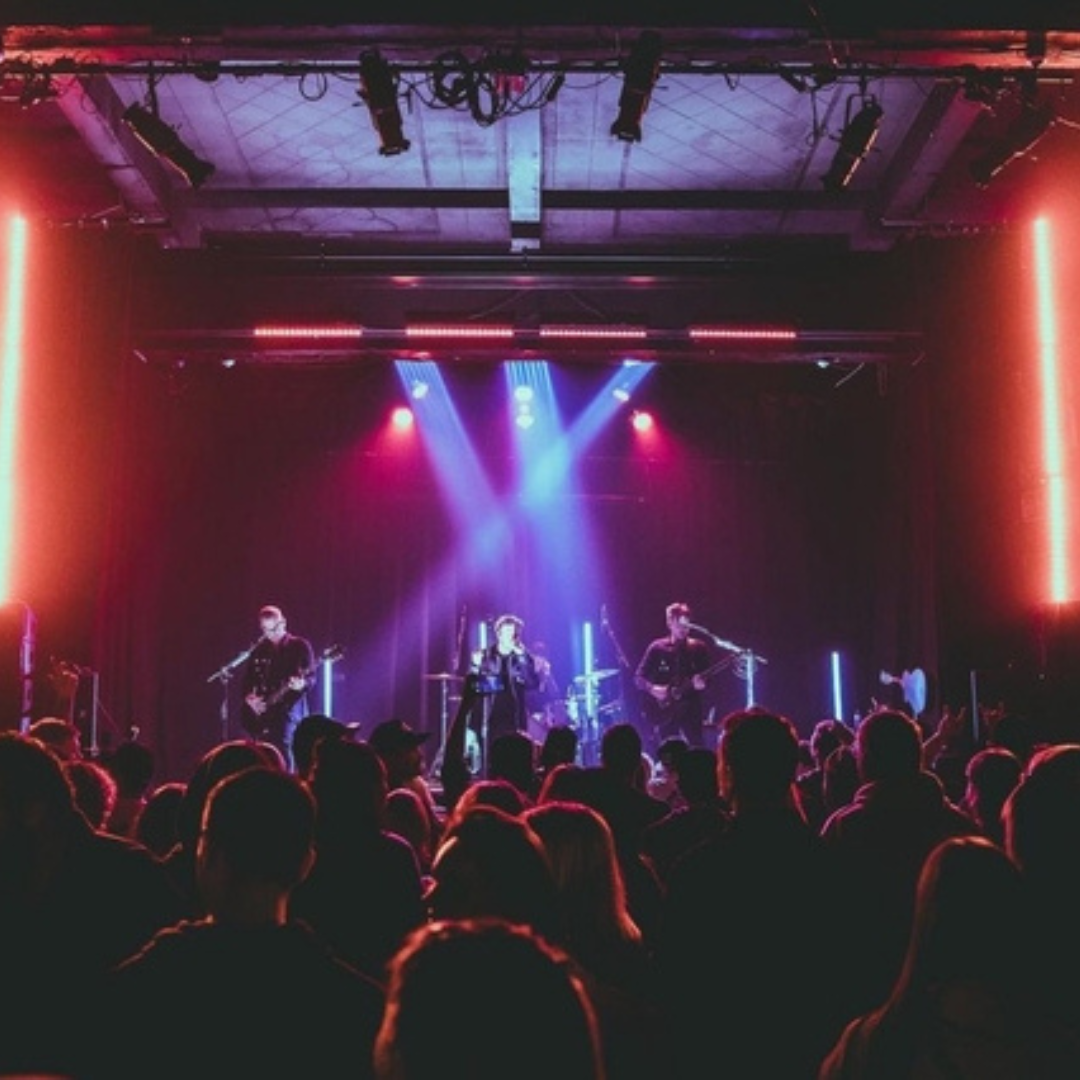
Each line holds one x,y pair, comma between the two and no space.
605,333
309,333
10,365
466,330
740,333
1054,471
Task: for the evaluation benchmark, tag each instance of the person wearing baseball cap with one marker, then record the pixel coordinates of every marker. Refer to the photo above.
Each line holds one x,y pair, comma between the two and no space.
401,748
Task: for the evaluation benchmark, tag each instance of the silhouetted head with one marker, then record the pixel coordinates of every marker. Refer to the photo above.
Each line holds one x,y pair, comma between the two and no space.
523,1012
759,758
888,745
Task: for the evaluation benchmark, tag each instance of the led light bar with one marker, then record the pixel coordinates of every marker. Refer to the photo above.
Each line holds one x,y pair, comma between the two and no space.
309,333
461,330
602,333
740,333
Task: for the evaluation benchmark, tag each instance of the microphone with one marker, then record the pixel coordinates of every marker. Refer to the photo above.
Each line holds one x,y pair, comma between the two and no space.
603,615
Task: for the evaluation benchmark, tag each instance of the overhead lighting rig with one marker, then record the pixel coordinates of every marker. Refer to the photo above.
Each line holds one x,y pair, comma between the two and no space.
378,91
641,69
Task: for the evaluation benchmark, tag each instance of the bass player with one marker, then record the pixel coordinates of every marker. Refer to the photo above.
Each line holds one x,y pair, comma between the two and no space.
276,678
672,675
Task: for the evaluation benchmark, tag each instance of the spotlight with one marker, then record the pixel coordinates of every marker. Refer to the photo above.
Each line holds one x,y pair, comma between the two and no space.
163,141
378,90
523,393
621,393
420,389
402,418
525,418
642,421
856,139
1032,123
640,72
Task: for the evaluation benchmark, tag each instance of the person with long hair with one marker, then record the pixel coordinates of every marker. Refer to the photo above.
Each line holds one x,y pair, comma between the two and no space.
961,1005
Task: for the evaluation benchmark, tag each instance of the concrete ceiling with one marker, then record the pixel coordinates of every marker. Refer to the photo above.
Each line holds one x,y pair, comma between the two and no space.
511,163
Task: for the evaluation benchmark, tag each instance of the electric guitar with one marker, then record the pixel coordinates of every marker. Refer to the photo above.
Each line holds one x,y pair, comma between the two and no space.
678,688
278,699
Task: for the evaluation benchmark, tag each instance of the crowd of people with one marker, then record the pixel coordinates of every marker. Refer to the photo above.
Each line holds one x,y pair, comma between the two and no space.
876,902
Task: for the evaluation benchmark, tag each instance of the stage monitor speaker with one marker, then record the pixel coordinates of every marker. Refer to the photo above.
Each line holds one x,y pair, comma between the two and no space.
18,629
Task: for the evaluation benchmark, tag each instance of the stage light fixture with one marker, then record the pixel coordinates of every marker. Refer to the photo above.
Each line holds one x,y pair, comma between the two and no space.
1033,121
163,140
860,132
378,91
641,69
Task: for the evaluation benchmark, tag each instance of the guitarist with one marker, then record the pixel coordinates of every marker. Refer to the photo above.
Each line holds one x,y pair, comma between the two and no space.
672,676
276,678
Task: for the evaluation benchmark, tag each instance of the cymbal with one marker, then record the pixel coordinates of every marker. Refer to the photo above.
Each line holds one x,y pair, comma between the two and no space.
443,676
596,676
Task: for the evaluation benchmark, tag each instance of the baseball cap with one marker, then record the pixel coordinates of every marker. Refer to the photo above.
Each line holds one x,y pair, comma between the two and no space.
393,735
311,729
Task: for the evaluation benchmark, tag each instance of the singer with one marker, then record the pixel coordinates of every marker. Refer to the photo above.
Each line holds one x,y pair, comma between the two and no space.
503,673
275,681
672,675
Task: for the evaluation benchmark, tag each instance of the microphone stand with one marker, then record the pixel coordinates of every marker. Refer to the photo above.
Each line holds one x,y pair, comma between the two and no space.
223,675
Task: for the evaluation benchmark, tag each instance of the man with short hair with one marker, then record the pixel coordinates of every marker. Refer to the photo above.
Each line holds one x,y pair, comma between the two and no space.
276,679
244,991
671,677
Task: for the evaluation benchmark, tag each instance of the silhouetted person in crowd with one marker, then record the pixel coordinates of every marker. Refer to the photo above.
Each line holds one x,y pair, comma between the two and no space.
617,788
60,736
824,739
560,746
157,826
701,814
992,774
404,815
599,932
499,793
95,790
512,757
401,748
243,991
219,761
1042,835
73,902
524,1015
663,783
882,837
750,979
492,864
962,1003
132,765
364,893
840,781
310,731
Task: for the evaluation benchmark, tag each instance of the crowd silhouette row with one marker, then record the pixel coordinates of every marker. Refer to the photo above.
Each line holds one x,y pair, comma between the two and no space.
885,902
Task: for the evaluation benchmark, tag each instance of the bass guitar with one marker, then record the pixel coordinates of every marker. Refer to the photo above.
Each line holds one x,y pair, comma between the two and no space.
257,710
